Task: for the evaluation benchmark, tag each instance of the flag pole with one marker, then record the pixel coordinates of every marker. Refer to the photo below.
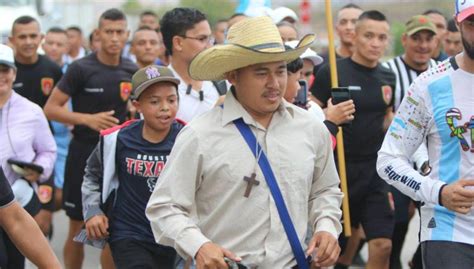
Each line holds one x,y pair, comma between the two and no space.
340,141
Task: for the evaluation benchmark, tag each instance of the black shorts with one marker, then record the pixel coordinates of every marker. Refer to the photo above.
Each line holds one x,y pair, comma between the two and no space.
447,255
130,253
76,162
369,200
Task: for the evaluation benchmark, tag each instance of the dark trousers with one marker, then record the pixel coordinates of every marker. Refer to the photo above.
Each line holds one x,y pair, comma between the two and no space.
10,256
398,239
134,254
447,255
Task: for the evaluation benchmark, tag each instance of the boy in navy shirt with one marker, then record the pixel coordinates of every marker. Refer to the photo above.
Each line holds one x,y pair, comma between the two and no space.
122,171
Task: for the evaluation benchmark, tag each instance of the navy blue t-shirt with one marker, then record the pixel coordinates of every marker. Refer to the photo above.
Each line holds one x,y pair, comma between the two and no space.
139,164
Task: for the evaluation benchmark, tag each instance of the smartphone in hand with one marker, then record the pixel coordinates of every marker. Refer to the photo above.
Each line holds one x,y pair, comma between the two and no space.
340,94
301,99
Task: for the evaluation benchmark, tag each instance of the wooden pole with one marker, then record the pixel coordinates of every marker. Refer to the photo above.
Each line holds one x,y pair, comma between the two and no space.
340,142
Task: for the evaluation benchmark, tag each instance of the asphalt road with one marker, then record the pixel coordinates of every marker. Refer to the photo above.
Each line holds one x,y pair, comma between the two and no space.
60,222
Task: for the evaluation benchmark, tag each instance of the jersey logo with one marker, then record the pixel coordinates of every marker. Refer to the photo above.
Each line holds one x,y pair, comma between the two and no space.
152,72
432,223
151,182
125,90
387,94
145,165
47,85
459,131
45,193
404,179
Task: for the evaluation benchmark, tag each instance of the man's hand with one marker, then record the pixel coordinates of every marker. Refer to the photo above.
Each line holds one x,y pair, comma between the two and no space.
44,219
340,113
457,197
101,121
211,256
327,248
31,175
97,226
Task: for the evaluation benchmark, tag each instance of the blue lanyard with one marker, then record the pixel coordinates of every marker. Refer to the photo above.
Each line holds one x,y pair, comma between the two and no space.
276,193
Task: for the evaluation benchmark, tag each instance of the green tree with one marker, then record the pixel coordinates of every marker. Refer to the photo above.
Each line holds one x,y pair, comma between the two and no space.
397,29
214,9
132,7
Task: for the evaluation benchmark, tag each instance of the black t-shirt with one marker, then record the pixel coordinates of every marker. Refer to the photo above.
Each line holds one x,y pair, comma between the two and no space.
139,164
95,87
325,57
364,136
6,194
36,81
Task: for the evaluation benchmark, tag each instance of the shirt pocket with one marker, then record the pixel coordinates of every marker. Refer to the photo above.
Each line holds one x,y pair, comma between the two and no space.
295,176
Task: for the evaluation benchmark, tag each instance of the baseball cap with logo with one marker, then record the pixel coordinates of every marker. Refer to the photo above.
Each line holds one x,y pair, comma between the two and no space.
419,23
464,9
6,56
149,75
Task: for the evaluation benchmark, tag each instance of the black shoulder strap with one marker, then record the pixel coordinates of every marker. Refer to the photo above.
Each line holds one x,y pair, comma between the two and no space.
221,86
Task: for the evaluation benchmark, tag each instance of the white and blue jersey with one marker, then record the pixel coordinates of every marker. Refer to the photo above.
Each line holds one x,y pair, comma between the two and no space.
439,106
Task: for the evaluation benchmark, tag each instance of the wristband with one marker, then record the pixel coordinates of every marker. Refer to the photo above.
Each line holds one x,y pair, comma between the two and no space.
332,127
439,194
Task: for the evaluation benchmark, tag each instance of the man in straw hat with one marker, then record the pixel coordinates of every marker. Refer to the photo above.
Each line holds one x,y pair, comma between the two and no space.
221,208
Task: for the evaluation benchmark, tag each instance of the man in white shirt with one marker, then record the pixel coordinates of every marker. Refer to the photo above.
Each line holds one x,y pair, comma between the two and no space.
438,108
186,32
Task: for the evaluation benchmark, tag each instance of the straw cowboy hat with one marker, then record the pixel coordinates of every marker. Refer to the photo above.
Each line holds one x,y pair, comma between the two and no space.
251,41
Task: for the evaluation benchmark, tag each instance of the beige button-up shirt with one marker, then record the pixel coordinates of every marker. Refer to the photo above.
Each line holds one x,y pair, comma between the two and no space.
199,196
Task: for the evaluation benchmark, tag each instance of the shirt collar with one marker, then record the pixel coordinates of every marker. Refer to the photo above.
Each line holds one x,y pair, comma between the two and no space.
233,110
170,67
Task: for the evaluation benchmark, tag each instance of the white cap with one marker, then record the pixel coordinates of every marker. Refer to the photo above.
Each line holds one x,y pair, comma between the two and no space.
6,56
308,54
280,13
258,12
464,9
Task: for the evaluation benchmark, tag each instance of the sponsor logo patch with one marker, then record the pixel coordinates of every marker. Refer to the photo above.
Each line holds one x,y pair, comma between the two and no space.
387,94
45,194
125,90
47,85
